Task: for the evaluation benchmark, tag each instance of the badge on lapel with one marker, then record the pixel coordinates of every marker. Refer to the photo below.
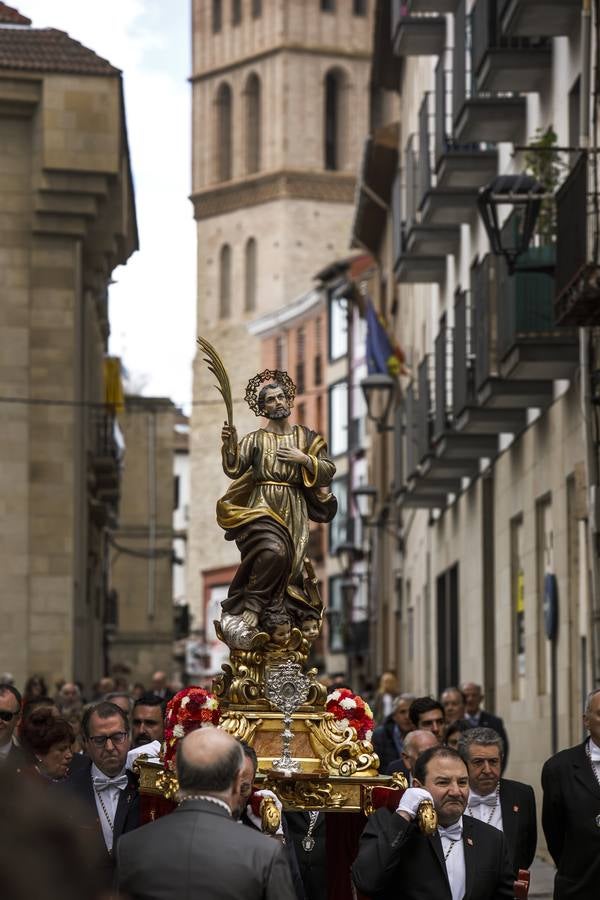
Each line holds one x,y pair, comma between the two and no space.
470,840
516,808
598,821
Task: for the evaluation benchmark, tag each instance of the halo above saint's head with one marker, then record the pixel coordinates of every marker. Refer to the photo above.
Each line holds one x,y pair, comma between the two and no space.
269,375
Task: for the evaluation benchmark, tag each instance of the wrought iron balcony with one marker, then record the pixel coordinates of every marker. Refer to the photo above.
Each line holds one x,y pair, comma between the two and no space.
480,115
416,33
493,386
470,417
506,63
105,457
530,18
419,251
457,166
577,300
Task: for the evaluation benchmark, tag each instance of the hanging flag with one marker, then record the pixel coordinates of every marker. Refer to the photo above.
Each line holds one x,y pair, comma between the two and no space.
384,357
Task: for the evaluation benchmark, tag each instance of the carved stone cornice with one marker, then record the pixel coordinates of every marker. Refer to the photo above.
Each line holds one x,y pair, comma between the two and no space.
327,187
342,53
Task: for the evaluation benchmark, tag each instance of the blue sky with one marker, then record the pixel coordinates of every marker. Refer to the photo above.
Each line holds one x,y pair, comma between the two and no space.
152,303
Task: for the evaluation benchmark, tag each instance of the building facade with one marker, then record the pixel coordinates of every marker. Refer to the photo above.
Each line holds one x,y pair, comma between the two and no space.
68,219
491,574
280,102
141,558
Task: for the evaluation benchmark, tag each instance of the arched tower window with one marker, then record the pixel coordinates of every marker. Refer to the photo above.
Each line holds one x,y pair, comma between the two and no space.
225,282
253,123
217,16
251,275
223,136
335,125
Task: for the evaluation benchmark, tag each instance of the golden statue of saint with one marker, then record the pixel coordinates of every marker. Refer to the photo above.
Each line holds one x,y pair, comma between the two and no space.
280,474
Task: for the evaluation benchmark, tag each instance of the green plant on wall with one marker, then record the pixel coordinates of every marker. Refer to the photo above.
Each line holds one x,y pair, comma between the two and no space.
547,168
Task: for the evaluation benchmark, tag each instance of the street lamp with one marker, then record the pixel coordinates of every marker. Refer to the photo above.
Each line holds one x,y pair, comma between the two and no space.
364,497
348,554
524,194
379,390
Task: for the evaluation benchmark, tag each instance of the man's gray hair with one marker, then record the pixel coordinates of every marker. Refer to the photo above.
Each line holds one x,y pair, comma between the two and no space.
480,737
588,701
401,698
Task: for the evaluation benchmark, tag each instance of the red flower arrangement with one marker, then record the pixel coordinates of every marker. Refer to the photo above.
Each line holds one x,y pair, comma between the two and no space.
350,709
189,709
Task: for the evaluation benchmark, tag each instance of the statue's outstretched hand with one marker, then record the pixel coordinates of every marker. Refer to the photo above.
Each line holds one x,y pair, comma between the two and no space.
229,438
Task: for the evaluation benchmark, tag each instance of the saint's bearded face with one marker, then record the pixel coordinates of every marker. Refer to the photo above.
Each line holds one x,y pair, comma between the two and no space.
274,403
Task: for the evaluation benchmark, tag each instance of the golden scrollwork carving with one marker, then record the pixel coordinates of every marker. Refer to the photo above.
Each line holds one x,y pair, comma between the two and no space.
270,816
340,750
238,726
242,681
427,817
399,781
301,794
166,782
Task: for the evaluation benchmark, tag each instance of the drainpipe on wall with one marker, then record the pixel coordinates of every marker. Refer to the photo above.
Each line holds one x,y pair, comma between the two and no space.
586,345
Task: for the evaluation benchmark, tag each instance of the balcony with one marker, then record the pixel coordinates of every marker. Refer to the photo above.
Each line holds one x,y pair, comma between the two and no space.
479,115
469,416
419,251
503,63
415,33
375,179
433,6
577,298
460,169
502,351
104,467
530,18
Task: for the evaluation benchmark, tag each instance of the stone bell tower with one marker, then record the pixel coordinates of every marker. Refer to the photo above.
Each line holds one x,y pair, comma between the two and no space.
280,93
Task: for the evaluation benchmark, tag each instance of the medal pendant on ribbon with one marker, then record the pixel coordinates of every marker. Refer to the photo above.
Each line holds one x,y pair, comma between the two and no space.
308,843
598,821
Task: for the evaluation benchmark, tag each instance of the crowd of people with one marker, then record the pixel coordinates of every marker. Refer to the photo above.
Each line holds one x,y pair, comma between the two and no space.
66,778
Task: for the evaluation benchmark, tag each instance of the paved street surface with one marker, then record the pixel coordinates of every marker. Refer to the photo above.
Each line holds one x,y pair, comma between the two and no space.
542,880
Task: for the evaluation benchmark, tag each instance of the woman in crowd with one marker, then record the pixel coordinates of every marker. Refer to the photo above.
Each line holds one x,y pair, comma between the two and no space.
48,739
35,687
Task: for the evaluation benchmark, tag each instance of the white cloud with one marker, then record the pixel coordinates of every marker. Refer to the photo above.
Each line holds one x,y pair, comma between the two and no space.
152,303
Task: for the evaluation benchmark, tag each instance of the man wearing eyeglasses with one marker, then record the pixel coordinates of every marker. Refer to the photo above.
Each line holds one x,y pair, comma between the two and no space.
11,756
106,789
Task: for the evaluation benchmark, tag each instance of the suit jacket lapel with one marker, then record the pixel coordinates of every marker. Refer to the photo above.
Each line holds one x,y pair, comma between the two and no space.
126,799
436,845
582,770
510,815
471,855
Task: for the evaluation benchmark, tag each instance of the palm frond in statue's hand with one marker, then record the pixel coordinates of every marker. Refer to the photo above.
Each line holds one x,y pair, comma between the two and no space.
215,365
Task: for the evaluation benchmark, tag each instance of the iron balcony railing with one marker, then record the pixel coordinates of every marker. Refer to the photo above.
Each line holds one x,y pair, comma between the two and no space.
426,406
442,414
411,436
525,310
411,181
487,33
426,141
483,286
572,238
463,369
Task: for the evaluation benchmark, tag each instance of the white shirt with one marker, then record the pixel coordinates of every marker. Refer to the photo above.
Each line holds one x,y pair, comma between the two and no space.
454,853
491,815
5,750
594,751
110,799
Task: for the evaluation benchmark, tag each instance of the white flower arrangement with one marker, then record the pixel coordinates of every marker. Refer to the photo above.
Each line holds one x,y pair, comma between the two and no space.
348,703
178,731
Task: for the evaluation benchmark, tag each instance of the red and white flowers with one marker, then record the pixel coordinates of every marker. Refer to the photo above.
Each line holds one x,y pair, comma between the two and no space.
351,710
191,708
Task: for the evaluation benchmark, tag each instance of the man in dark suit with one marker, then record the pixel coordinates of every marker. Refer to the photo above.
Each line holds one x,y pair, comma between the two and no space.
507,805
12,757
571,811
200,850
464,858
107,793
480,718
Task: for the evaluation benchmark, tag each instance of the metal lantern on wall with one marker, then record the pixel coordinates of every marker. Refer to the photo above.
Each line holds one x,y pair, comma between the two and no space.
378,390
524,194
